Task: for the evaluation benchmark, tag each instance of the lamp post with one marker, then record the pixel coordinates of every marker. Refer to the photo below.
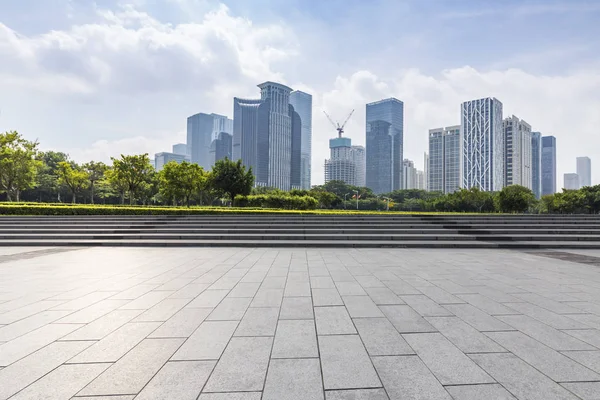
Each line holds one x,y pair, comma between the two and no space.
356,191
345,198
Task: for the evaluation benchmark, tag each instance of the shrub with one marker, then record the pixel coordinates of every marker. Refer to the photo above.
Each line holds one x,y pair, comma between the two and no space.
277,201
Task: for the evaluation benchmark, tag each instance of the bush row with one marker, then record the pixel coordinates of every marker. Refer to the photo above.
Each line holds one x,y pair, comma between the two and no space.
281,201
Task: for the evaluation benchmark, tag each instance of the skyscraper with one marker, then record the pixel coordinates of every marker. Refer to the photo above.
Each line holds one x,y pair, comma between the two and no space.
267,136
302,103
548,165
385,138
180,148
409,179
221,147
571,182
202,129
425,171
444,159
517,152
584,170
160,159
358,155
536,164
482,144
341,165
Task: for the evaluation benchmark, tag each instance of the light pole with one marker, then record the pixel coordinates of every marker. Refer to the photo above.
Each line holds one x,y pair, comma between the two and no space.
345,198
356,191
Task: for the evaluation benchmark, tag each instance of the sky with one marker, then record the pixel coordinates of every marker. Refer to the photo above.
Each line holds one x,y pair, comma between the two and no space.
102,78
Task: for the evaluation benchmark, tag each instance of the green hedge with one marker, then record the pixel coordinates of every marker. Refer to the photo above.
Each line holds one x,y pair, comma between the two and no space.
281,201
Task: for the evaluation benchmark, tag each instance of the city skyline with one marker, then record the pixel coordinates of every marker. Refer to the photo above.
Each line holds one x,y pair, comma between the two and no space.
124,73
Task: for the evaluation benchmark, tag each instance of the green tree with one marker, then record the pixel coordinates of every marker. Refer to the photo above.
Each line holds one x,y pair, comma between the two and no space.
48,188
231,178
132,172
117,183
181,182
95,171
18,164
73,177
515,199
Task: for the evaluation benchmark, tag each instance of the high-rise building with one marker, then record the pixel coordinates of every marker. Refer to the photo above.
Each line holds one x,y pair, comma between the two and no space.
584,170
410,174
517,152
180,148
267,136
571,181
160,159
385,145
482,144
202,129
425,171
359,157
221,147
341,165
536,164
548,165
302,103
444,159
421,181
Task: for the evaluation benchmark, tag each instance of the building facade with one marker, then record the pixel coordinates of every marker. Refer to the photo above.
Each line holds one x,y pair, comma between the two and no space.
160,159
548,165
341,165
571,182
202,129
482,144
425,171
180,148
409,179
517,152
385,145
584,170
536,164
444,161
359,157
221,147
302,103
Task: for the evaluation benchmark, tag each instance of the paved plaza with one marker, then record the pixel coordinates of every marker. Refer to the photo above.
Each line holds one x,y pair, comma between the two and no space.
278,324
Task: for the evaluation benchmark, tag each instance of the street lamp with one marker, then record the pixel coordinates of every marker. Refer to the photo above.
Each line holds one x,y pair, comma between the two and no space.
356,191
345,198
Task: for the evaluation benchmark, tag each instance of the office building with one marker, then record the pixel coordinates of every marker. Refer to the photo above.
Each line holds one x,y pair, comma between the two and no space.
421,181
202,129
221,147
409,179
584,171
571,182
341,165
359,157
536,164
425,171
160,159
267,137
517,152
482,144
385,148
302,103
180,148
548,165
444,161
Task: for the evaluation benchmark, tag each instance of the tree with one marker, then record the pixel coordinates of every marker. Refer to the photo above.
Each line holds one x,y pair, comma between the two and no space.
117,183
18,164
95,171
169,182
231,178
73,177
133,172
515,199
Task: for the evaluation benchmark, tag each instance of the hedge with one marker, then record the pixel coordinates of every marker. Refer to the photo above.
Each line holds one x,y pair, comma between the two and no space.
280,201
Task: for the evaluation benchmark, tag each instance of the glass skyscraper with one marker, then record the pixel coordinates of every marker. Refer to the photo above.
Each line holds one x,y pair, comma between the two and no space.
385,145
548,165
482,144
202,129
584,170
517,152
444,159
302,103
536,164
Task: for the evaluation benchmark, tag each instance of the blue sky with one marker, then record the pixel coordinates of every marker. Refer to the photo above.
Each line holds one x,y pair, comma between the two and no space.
110,76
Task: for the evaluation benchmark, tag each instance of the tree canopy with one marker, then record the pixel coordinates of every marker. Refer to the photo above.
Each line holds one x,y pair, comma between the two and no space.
231,178
19,164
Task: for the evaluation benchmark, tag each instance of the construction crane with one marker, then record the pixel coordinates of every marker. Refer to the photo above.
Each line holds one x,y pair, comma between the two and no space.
337,126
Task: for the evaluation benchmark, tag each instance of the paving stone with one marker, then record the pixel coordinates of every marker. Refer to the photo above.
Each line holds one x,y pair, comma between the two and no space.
267,298
590,336
103,326
549,336
147,300
480,392
359,394
297,289
296,308
175,284
230,309
361,307
208,341
464,336
93,312
400,287
406,377
231,396
274,282
116,344
346,364
333,321
62,383
134,292
350,289
381,338
242,367
519,378
486,304
478,319
295,339
326,297
440,296
104,398
556,321
369,281
591,320
19,328
190,291
33,341
406,320
425,306
84,301
383,296
133,371
208,298
163,310
450,365
180,380
590,359
294,379
551,305
27,311
29,369
585,390
258,322
245,289
321,282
